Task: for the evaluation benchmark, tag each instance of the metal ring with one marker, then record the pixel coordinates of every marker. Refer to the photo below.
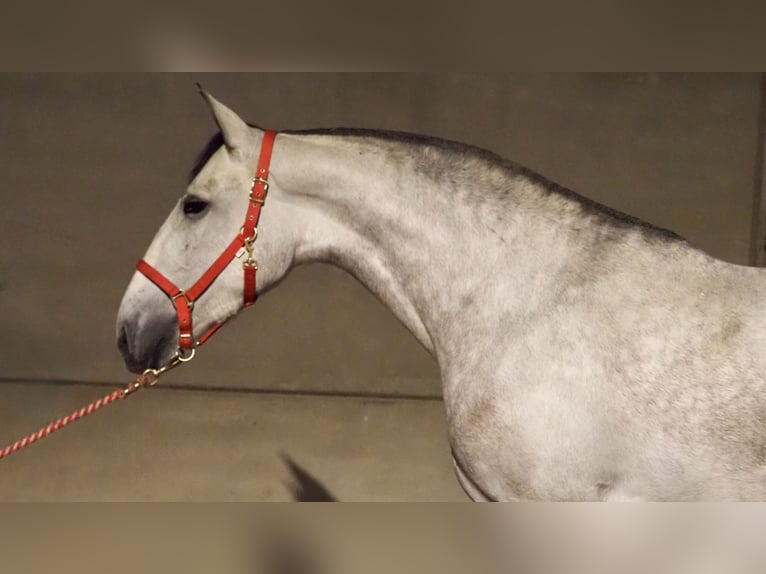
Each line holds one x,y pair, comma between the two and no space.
186,358
149,378
249,239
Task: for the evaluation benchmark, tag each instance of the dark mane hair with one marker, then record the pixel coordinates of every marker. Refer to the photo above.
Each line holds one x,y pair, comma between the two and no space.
215,142
588,205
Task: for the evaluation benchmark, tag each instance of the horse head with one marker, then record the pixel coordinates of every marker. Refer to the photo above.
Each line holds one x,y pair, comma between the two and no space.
199,228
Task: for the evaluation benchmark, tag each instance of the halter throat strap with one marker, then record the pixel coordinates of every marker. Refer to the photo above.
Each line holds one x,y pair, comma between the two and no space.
243,242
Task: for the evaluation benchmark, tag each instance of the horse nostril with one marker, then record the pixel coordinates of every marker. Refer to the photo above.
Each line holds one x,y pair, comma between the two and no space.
123,342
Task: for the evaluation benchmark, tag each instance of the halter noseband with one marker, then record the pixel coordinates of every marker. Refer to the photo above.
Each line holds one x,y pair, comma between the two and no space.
183,301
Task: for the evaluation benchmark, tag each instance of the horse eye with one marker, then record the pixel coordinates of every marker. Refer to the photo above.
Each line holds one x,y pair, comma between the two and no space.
194,205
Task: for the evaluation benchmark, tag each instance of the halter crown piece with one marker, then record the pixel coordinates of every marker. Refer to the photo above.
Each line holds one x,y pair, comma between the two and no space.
243,242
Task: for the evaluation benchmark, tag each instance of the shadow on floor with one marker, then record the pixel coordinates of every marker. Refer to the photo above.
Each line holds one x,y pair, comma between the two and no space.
304,487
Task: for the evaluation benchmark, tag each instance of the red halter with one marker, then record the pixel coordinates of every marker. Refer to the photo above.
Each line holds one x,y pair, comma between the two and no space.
183,301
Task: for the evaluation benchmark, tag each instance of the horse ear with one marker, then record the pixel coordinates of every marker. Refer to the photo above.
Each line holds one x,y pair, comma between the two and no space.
234,129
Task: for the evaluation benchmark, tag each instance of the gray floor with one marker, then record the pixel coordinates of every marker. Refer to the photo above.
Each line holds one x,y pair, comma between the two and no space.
171,444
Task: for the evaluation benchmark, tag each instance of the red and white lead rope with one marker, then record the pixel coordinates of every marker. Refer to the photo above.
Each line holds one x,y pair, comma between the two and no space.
148,379
62,422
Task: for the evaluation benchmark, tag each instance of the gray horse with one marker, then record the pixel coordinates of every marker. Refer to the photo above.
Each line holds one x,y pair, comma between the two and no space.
584,355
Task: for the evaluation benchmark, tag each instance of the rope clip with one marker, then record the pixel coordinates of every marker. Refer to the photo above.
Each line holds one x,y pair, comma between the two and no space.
150,377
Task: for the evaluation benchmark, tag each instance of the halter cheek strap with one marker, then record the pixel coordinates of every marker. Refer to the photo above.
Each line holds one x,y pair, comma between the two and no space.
243,242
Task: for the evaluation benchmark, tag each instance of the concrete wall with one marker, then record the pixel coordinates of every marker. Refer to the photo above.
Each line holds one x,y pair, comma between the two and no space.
92,164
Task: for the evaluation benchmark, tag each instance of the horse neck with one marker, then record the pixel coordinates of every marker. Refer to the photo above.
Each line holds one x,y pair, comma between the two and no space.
407,232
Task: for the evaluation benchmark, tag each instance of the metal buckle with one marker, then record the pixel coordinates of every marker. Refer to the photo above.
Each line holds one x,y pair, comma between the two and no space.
265,190
182,293
263,181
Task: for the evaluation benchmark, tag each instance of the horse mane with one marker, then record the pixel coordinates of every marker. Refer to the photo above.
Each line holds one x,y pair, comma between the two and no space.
455,153
215,142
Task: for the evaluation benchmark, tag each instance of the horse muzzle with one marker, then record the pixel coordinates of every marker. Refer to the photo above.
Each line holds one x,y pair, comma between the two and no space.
146,342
